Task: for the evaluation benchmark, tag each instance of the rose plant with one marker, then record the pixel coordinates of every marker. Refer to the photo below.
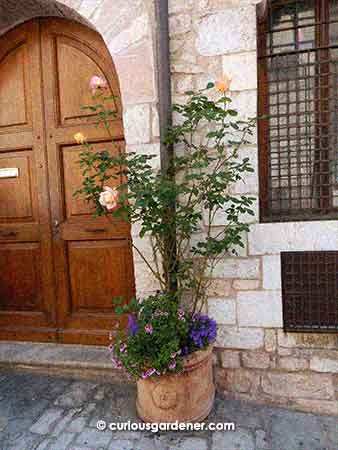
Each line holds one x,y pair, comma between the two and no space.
188,210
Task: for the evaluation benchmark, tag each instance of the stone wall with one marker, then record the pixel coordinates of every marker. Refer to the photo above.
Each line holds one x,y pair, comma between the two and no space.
256,359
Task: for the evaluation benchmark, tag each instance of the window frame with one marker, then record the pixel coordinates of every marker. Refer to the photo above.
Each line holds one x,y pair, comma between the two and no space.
322,113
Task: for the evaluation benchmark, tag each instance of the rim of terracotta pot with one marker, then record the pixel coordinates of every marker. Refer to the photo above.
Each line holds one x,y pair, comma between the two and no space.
195,359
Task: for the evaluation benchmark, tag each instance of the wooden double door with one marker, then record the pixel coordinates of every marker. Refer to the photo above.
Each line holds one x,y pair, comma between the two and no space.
59,267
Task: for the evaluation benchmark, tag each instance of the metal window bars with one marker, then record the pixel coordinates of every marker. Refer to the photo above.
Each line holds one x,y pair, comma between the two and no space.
298,102
310,291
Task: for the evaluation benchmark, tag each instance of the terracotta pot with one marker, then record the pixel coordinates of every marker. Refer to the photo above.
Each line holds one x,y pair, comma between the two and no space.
187,396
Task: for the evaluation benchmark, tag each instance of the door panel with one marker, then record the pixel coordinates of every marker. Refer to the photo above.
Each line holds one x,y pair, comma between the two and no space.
18,194
15,88
93,257
75,66
59,267
20,288
27,297
76,206
94,264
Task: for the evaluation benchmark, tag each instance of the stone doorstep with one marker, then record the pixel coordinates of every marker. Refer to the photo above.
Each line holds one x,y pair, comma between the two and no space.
77,361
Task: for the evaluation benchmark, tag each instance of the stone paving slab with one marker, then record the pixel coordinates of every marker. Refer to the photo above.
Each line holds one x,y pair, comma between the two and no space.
39,412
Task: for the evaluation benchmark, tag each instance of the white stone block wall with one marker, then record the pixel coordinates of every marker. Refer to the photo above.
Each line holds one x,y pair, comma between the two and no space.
256,359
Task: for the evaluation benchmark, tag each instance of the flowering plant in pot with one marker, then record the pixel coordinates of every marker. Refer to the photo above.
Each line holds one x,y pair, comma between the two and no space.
167,344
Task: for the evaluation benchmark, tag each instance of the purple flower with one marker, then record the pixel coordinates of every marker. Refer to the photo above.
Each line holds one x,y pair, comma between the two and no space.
111,348
185,350
149,328
172,365
148,373
203,330
132,324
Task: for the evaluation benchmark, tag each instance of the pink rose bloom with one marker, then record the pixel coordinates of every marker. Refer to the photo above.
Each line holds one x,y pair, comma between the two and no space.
172,355
97,83
109,198
172,365
148,373
149,329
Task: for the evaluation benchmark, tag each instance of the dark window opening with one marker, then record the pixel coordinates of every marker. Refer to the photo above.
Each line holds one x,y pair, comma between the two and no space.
309,291
298,110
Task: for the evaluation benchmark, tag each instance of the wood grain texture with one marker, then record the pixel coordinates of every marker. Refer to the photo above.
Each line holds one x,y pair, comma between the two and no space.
59,267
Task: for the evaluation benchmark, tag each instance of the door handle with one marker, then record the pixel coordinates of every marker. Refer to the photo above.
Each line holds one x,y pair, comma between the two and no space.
56,223
95,230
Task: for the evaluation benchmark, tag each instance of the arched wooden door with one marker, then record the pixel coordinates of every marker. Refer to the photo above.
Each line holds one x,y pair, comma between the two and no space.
59,267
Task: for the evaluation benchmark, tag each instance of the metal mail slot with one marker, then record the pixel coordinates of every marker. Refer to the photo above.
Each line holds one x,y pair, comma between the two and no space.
11,172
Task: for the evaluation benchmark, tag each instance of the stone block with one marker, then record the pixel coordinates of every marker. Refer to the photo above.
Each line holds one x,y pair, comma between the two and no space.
47,421
241,338
242,439
307,340
230,359
148,150
241,68
179,24
324,365
270,340
233,30
179,5
139,89
63,441
184,84
272,272
244,381
94,438
87,7
137,124
256,360
317,406
292,236
246,285
219,288
145,282
249,184
293,364
121,444
189,443
155,122
222,310
238,268
260,309
296,385
245,102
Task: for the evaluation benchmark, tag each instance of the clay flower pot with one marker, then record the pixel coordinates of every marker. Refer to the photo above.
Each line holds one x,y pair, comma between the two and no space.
187,396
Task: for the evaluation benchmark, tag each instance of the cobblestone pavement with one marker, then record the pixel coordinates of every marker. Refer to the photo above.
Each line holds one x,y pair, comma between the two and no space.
40,412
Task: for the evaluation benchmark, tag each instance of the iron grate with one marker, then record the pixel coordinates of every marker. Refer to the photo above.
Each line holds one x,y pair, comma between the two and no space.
298,109
310,291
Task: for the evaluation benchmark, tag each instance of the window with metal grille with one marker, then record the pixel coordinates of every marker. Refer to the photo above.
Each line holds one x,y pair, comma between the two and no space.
298,110
310,291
